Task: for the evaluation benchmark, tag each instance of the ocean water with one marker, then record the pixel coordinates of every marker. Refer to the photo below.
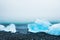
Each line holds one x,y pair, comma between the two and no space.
22,28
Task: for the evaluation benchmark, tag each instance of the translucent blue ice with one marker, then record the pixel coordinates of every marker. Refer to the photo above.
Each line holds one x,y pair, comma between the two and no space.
54,29
39,26
44,26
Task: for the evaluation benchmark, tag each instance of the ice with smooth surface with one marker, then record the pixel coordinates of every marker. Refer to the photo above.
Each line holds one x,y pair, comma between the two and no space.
11,28
54,29
2,27
39,26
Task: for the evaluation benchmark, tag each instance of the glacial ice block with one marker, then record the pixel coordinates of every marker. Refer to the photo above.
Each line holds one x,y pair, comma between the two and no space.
54,29
39,26
11,28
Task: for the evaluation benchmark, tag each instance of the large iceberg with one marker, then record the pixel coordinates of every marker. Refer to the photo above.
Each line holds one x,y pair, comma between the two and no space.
54,29
11,28
39,26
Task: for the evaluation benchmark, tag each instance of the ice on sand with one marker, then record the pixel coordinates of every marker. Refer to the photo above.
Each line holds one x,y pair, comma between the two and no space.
11,28
39,26
2,27
54,29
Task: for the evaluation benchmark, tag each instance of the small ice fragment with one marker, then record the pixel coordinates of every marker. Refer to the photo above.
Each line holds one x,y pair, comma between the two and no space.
54,29
2,27
11,28
39,26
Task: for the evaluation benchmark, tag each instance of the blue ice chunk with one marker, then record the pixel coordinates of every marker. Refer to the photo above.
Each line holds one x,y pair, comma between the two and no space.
39,26
54,29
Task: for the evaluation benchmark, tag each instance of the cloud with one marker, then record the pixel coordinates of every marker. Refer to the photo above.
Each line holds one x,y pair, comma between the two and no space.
24,11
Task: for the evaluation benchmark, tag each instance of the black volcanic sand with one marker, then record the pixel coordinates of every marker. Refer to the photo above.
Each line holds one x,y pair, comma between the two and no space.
29,36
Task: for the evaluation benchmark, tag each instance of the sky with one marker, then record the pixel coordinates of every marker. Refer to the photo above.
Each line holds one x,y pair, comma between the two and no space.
25,11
